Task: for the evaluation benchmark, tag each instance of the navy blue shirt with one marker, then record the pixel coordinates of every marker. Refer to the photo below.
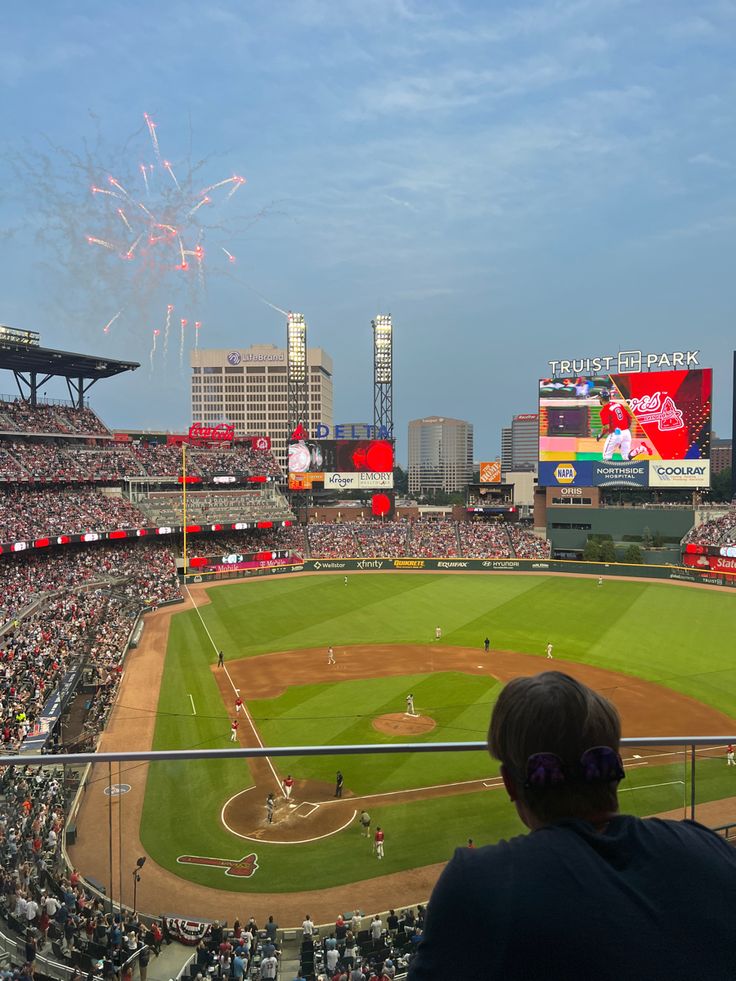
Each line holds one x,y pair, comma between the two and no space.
645,899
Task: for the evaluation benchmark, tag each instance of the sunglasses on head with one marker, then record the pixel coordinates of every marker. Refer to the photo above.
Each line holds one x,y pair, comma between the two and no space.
601,764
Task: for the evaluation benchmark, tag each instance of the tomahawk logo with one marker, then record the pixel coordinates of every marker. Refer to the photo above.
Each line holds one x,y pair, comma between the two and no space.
653,408
242,868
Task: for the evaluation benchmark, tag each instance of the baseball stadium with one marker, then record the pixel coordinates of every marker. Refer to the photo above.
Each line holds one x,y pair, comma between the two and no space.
234,700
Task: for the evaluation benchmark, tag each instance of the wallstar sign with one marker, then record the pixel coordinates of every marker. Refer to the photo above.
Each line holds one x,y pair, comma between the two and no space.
625,361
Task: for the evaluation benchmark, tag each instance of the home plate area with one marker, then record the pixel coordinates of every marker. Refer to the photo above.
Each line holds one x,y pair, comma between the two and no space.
311,813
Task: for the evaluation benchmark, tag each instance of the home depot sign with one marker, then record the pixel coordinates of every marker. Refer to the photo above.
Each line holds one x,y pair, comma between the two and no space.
490,472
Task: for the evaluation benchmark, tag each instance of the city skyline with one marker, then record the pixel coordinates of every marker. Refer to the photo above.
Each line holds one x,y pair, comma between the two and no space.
513,185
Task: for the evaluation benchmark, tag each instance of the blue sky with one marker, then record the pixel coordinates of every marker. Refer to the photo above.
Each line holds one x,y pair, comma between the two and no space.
513,183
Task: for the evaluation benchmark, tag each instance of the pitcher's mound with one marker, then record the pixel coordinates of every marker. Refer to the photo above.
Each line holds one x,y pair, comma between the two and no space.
400,724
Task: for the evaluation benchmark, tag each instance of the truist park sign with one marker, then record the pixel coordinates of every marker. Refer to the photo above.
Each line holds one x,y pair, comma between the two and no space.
625,361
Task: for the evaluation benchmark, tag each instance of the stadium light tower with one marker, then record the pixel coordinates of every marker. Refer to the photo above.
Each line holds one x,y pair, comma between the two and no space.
297,384
383,364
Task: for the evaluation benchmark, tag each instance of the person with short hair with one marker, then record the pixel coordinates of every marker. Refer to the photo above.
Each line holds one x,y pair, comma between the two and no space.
589,893
365,824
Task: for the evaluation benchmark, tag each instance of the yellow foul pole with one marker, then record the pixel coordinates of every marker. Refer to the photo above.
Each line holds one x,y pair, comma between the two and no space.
184,502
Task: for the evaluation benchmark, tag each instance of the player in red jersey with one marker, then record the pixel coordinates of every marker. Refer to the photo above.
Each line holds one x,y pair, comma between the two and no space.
378,843
615,423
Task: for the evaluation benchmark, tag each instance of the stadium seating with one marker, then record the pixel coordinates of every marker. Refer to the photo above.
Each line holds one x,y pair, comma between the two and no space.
718,531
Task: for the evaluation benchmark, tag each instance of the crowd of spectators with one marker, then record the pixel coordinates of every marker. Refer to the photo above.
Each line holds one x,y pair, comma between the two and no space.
291,537
528,545
484,539
434,537
27,513
362,947
20,416
47,904
332,540
111,461
384,540
717,531
207,507
144,571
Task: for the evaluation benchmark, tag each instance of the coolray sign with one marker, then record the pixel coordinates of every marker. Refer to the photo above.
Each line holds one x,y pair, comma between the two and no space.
620,474
355,430
624,361
682,473
370,564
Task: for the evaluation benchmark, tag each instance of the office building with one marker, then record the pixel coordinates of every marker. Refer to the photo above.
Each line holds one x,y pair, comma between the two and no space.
248,388
440,455
520,443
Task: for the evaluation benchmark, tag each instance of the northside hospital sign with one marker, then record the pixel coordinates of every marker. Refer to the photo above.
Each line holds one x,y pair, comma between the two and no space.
625,361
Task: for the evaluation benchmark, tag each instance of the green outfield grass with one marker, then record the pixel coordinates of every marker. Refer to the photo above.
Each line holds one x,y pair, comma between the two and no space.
677,636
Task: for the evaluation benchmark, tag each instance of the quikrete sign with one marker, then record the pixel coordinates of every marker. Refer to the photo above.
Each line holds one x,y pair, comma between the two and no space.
625,361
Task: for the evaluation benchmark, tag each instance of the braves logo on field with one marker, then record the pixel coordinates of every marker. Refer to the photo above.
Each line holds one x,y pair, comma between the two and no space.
242,868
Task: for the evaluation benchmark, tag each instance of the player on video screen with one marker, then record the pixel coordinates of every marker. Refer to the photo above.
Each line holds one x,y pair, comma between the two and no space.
615,423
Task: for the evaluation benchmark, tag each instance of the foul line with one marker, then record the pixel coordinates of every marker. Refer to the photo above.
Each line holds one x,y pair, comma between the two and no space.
245,707
194,711
418,790
649,786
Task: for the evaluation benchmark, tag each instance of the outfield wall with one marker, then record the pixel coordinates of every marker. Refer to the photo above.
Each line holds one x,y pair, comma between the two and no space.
565,566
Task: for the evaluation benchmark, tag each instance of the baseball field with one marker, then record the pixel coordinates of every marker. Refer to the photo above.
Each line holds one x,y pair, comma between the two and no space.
662,652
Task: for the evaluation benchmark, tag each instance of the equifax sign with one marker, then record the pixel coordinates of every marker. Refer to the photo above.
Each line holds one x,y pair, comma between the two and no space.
625,361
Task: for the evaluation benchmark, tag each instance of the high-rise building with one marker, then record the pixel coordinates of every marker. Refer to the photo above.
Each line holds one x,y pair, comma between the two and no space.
440,454
507,456
520,443
720,455
248,388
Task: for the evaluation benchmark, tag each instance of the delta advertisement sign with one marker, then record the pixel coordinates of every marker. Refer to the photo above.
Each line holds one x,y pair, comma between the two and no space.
635,429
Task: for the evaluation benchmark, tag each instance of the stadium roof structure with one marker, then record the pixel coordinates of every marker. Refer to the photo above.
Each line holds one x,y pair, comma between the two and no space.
33,365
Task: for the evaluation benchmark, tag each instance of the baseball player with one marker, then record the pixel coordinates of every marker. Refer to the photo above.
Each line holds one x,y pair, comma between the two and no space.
234,725
615,426
221,660
288,785
549,651
410,705
486,645
365,824
269,808
600,580
331,656
345,580
378,843
729,755
339,781
438,633
239,704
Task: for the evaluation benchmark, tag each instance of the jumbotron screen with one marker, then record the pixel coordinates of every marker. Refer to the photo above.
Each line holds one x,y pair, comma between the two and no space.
341,464
636,429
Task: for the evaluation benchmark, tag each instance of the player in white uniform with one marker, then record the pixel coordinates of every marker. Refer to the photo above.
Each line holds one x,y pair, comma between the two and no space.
549,651
410,705
438,633
331,656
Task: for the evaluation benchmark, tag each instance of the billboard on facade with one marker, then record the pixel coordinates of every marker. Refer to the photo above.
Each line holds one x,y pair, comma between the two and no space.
341,464
636,429
490,472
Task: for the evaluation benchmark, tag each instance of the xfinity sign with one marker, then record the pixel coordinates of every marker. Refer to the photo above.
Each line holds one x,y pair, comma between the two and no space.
625,361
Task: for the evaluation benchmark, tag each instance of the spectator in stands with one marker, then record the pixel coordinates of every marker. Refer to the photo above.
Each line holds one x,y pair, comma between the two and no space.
566,901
